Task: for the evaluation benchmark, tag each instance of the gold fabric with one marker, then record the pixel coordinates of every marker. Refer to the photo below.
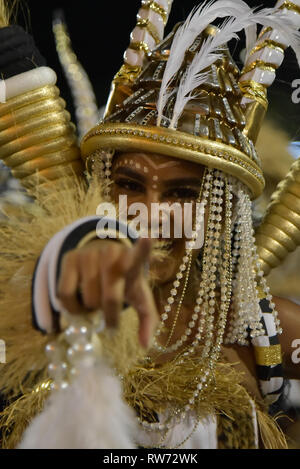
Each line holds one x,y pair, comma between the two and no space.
140,46
270,44
254,90
145,23
268,356
156,8
290,6
266,66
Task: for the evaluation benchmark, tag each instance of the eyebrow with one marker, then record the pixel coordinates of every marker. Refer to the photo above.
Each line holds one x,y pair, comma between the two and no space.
130,173
188,181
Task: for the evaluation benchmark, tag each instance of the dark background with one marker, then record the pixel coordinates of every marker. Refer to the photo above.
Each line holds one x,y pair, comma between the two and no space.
100,34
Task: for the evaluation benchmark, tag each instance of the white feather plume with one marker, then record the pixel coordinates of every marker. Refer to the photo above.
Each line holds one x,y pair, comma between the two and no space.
208,52
193,79
89,414
195,24
205,57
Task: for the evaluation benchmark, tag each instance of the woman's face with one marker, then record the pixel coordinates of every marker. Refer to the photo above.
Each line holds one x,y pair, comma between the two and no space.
152,178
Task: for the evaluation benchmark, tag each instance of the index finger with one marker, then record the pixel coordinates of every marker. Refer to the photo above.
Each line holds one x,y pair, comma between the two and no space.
141,298
135,259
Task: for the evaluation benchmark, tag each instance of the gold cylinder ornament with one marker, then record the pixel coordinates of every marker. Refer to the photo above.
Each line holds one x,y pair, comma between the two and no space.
278,234
37,139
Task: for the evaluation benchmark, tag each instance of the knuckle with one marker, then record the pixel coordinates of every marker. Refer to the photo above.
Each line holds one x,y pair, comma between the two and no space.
63,294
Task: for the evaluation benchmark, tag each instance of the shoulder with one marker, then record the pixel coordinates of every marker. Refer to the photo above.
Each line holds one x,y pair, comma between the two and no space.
285,305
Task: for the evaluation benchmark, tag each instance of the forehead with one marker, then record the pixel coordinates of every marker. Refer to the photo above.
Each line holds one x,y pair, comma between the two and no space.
157,163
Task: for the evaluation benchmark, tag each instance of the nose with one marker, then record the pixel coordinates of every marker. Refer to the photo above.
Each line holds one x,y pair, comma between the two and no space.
152,219
161,221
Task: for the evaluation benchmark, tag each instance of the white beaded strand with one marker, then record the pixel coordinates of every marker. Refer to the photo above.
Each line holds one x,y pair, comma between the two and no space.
246,306
211,351
185,266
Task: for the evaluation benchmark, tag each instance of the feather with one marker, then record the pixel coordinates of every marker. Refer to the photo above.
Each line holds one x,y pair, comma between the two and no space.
195,24
208,52
193,78
89,414
207,55
278,20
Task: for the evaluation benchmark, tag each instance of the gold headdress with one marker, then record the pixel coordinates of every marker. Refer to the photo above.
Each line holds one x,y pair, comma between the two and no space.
222,109
185,97
218,125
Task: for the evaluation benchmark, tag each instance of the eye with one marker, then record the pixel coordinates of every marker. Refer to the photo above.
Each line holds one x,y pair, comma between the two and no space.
129,185
182,193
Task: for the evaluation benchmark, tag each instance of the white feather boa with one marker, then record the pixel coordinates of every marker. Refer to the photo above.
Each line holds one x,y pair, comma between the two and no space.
89,414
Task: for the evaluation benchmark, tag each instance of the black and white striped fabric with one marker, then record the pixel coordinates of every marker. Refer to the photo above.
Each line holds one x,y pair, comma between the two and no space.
45,303
268,356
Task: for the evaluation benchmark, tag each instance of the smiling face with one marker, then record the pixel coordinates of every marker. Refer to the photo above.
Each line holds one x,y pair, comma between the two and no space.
151,178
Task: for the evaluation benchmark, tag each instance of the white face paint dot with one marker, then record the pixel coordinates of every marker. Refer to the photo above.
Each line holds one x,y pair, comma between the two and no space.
138,166
126,161
154,186
155,178
145,169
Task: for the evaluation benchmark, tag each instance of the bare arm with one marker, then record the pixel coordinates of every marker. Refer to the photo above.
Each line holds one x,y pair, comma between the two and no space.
289,315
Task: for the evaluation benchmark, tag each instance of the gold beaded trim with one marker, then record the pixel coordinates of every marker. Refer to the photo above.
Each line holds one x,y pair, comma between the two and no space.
253,90
290,6
268,356
268,67
270,44
145,23
157,8
140,45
